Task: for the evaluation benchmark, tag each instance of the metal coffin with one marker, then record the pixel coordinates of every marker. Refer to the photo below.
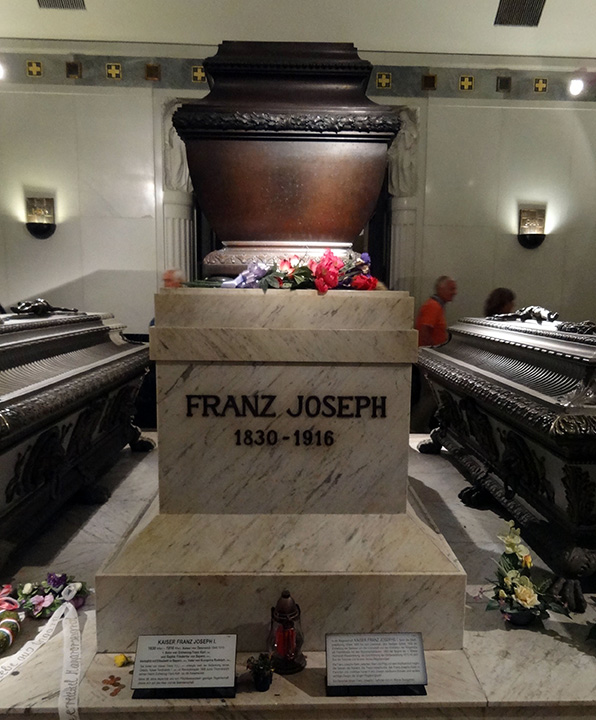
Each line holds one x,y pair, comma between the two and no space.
517,414
68,384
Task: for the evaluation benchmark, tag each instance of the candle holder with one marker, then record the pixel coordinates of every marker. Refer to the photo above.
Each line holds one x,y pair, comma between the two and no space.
285,636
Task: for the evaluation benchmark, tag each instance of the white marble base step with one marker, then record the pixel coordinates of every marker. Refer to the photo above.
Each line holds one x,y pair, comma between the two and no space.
193,574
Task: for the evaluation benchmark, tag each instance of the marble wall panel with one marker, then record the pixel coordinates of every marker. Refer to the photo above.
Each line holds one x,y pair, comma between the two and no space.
216,457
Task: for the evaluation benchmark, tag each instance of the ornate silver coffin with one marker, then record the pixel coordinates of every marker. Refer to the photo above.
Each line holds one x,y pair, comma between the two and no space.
68,383
517,414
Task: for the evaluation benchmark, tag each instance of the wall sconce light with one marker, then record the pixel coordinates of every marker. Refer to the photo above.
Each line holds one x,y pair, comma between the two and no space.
40,217
531,227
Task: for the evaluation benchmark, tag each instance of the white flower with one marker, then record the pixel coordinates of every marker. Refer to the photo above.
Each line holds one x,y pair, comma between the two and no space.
27,589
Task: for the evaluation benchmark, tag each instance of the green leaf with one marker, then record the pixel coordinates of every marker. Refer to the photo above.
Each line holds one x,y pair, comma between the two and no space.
492,604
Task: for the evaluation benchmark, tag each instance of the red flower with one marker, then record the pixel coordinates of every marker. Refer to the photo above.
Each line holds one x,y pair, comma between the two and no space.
364,282
327,271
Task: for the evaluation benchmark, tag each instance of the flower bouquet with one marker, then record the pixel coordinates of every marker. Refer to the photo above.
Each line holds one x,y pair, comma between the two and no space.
519,598
40,600
330,272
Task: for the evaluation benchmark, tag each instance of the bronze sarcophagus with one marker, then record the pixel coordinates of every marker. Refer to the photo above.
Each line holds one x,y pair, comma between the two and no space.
517,415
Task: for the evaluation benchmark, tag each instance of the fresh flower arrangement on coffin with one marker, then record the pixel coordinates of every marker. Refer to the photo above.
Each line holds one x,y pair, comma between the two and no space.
40,600
515,594
330,272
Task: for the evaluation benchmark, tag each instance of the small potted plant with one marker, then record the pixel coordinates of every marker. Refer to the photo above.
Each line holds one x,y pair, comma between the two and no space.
261,670
519,598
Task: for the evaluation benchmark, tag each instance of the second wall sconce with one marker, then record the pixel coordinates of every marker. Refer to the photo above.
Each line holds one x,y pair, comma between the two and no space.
531,227
40,217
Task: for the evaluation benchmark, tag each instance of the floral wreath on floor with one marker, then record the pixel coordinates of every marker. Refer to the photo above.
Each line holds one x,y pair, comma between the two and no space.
330,272
37,600
515,593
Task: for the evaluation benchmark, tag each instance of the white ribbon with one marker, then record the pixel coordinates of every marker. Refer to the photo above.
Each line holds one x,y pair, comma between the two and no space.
68,700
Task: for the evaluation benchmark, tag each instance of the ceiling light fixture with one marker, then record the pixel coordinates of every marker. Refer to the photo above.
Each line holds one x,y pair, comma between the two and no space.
576,86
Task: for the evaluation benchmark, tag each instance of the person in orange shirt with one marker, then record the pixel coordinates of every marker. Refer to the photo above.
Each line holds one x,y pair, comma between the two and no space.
431,323
432,330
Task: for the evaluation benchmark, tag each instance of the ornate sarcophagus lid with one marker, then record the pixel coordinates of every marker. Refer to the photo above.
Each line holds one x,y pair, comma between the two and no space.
517,414
68,383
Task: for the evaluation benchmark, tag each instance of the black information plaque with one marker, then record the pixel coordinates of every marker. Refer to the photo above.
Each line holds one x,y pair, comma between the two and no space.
375,664
185,666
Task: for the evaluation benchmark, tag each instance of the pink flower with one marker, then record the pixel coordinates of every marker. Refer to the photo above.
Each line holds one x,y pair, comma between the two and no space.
7,602
41,601
321,285
327,271
288,264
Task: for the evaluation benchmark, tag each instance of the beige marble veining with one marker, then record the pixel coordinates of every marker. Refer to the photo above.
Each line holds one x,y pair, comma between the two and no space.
544,672
206,465
288,346
288,544
454,684
380,573
218,308
283,433
494,648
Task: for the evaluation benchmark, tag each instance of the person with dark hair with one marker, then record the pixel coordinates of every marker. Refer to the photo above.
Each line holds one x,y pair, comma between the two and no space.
500,301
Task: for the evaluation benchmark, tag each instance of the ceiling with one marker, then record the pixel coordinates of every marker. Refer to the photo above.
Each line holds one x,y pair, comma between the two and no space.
567,28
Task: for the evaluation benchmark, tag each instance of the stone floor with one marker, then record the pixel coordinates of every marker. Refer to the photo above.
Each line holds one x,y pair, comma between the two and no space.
545,671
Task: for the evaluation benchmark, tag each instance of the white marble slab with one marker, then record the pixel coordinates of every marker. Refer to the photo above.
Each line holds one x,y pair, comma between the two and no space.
289,346
207,466
349,573
339,310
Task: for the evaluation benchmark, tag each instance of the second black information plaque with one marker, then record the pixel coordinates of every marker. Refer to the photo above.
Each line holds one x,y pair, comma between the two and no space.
375,664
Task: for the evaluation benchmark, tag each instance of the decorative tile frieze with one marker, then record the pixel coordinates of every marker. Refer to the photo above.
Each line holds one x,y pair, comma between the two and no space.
399,81
466,82
198,74
383,80
540,85
34,68
114,71
74,70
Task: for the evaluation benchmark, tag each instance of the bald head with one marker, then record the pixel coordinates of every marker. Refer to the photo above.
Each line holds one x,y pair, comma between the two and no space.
445,288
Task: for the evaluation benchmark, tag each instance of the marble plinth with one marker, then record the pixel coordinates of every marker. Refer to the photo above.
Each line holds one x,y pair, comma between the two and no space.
350,573
283,425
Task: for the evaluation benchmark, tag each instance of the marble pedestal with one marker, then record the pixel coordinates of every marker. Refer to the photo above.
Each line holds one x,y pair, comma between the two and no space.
283,439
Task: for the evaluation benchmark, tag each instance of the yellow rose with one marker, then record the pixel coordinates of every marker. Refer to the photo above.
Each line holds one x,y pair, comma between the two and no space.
512,542
502,594
122,660
527,561
526,596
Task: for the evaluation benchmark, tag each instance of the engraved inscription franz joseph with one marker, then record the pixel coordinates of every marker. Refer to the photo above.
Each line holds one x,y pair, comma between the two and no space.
311,406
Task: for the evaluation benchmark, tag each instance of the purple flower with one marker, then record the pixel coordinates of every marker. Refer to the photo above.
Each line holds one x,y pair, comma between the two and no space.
248,278
365,257
57,581
40,602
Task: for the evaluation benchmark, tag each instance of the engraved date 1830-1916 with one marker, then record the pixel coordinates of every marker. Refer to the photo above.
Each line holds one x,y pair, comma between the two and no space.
315,438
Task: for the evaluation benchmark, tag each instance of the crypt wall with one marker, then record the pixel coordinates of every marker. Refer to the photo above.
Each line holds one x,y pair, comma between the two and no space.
98,147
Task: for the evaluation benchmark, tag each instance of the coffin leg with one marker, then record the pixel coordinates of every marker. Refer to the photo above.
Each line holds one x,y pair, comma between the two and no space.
570,594
476,497
138,443
432,446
